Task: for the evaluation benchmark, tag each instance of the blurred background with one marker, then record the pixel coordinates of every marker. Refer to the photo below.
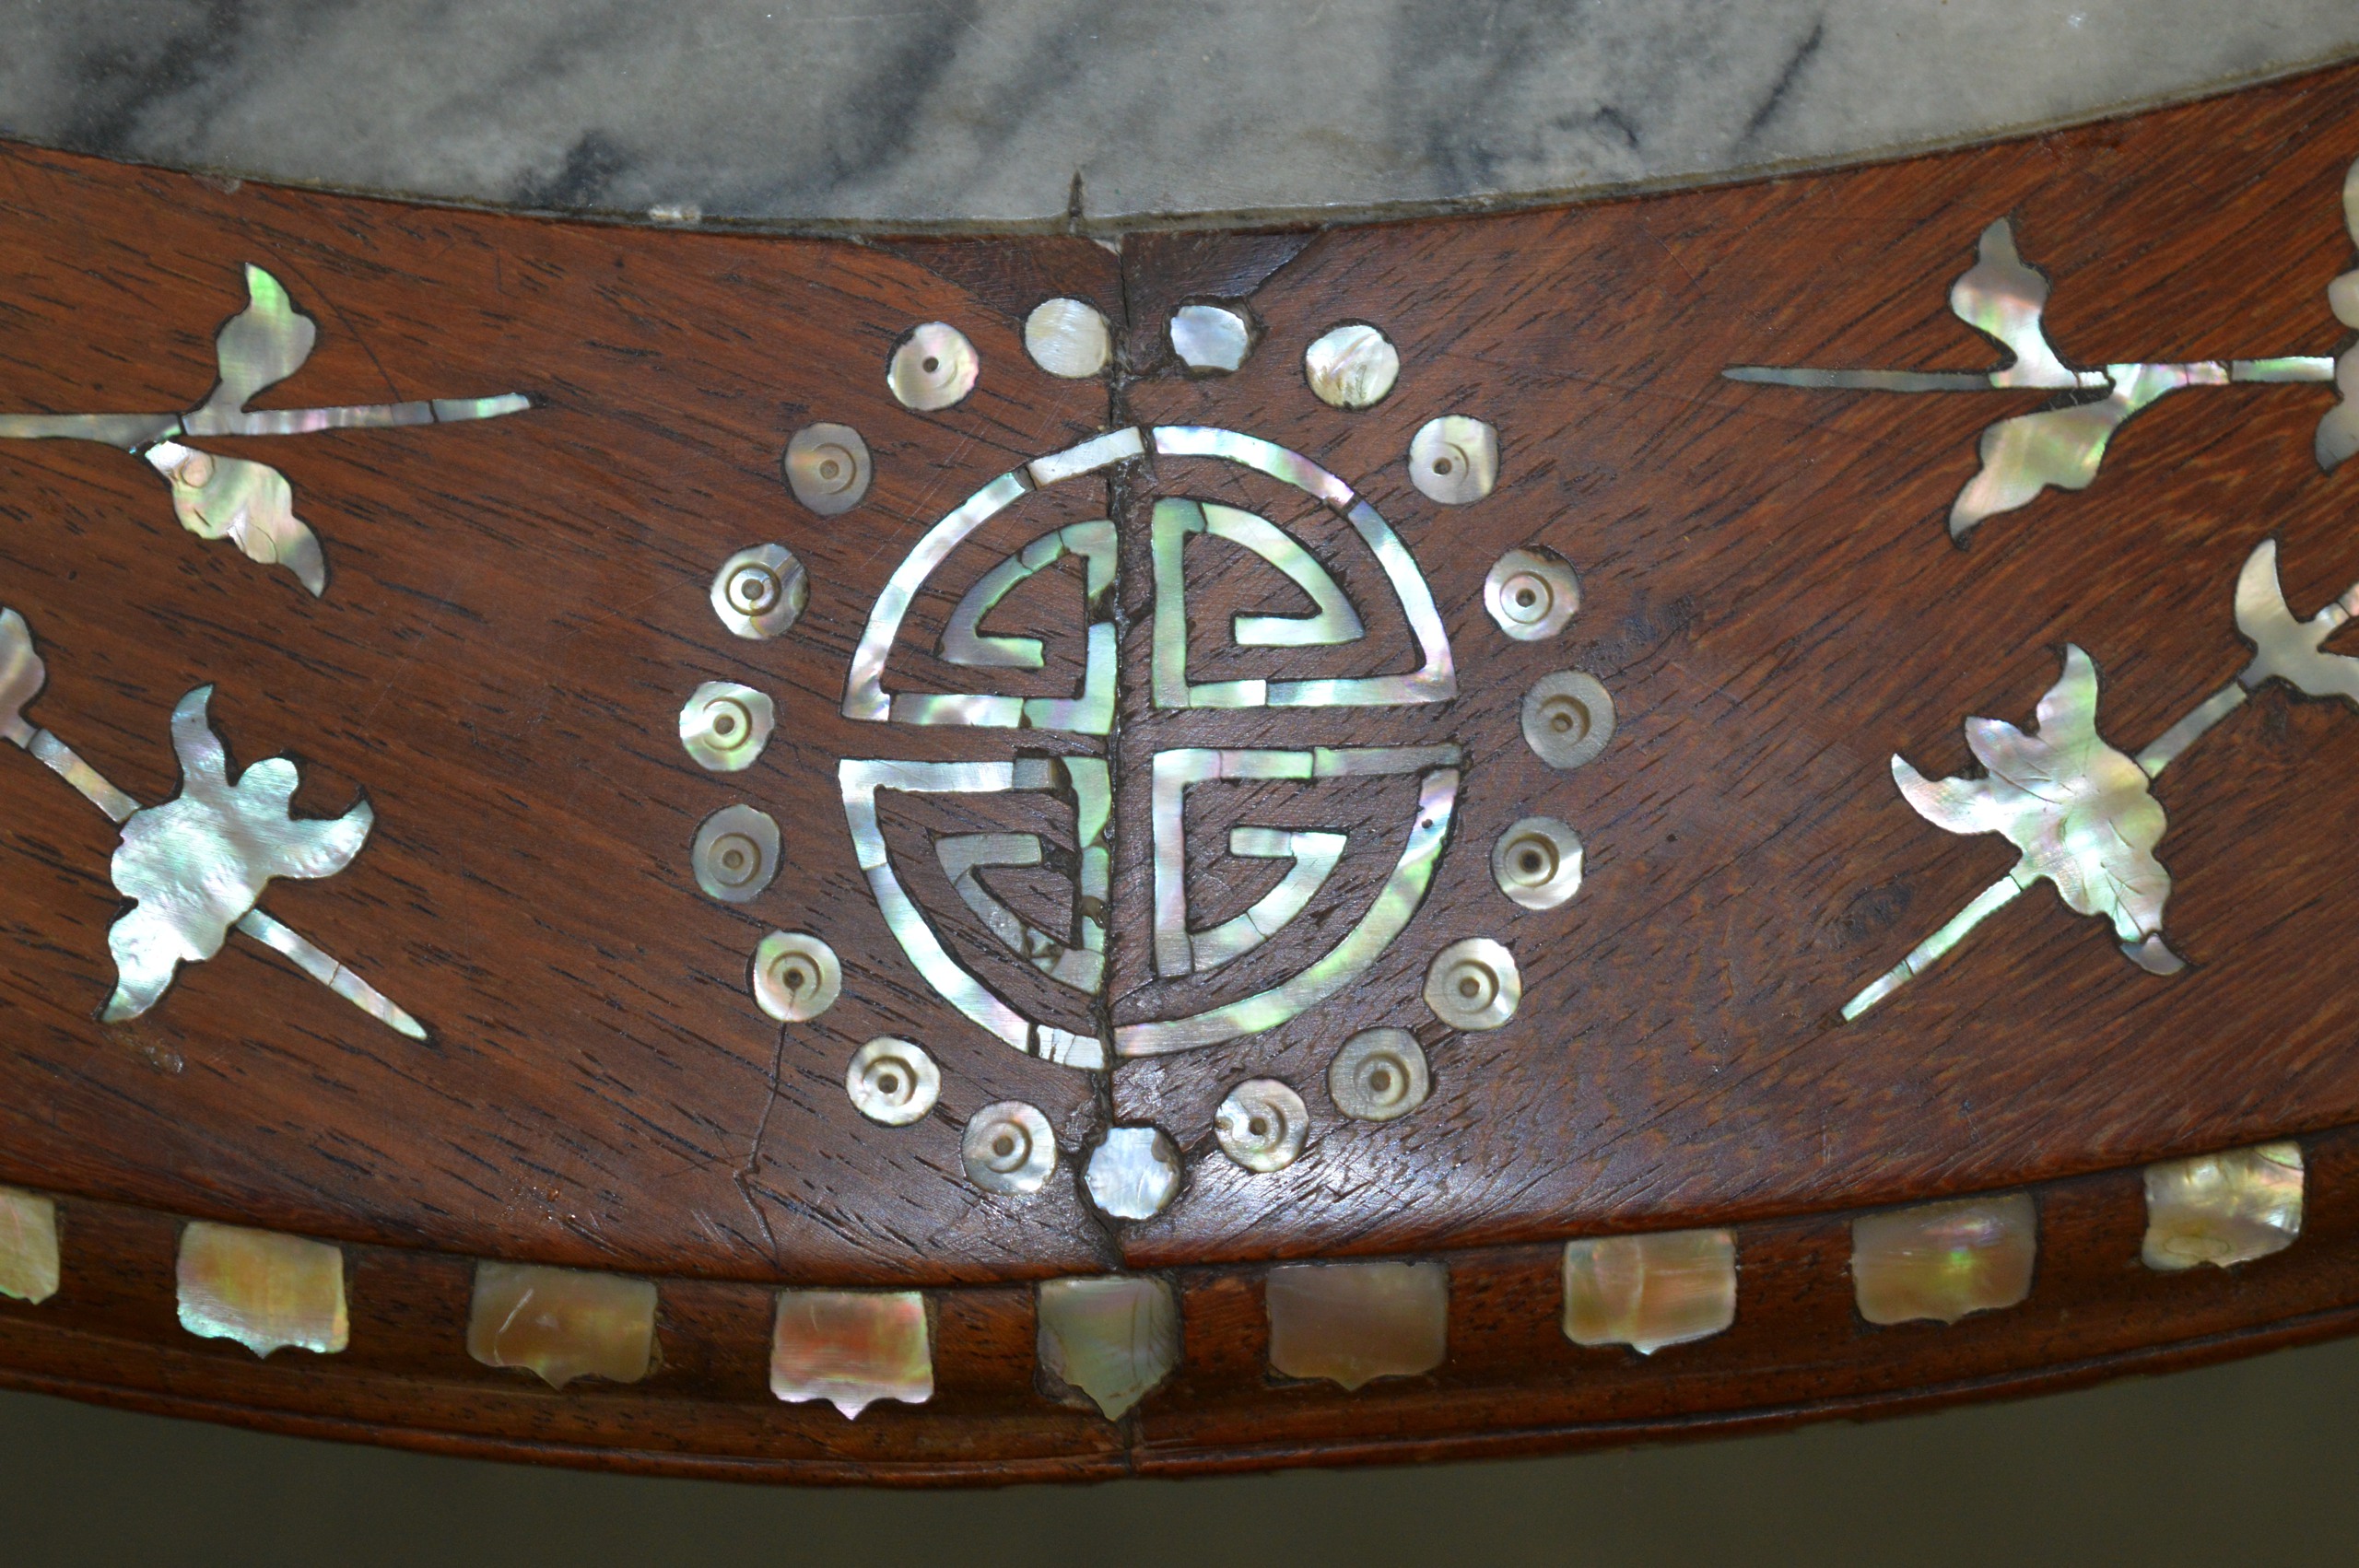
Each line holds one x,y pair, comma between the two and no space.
2232,1464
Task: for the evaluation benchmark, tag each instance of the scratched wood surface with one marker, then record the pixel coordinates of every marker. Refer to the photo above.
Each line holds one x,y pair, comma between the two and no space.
518,608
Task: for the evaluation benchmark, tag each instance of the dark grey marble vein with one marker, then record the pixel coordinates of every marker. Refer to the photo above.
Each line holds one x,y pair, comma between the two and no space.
988,111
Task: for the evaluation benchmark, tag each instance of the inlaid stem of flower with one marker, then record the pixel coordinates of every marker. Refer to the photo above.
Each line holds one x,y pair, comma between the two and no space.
2080,812
248,503
2062,444
196,865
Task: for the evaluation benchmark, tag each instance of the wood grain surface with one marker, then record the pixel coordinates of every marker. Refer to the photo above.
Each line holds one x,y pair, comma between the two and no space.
518,608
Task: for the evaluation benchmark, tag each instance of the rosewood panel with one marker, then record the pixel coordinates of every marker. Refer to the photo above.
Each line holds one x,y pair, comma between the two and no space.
516,608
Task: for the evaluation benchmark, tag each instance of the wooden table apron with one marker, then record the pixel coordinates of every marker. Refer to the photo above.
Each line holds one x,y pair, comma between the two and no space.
518,608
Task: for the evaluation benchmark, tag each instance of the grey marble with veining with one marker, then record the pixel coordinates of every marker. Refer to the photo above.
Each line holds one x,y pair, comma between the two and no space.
1022,112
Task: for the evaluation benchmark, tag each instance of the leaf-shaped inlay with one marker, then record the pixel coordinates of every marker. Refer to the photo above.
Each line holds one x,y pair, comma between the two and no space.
2079,810
248,503
258,347
2003,298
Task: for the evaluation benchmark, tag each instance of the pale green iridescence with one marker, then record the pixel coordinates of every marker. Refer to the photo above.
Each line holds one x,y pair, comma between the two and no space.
257,348
249,504
861,781
1331,622
2284,649
246,502
1944,1262
87,782
194,865
2079,812
1387,916
2063,447
21,674
1113,1338
1254,453
1008,1147
963,855
2003,298
725,726
306,956
2168,747
2223,1209
966,858
735,853
863,687
963,641
1314,856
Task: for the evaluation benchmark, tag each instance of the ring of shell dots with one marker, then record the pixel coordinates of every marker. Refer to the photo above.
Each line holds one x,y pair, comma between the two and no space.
760,590
1108,1343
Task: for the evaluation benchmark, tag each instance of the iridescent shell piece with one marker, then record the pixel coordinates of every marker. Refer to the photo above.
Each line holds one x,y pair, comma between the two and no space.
1944,1260
264,1289
234,498
1537,862
1531,594
1568,718
193,866
893,1082
933,369
1352,366
1454,460
796,976
735,853
29,1268
2338,436
2223,1209
828,467
1008,1147
851,1348
725,726
759,591
1068,338
1211,337
1379,1075
1113,1338
1474,984
562,1323
1134,1173
1649,1291
1352,1323
2083,815
1261,1123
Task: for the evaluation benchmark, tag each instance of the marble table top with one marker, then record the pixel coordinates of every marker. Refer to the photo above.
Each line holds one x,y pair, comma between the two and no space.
999,113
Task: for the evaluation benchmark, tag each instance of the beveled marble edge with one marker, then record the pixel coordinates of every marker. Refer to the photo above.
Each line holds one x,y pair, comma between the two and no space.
1013,115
